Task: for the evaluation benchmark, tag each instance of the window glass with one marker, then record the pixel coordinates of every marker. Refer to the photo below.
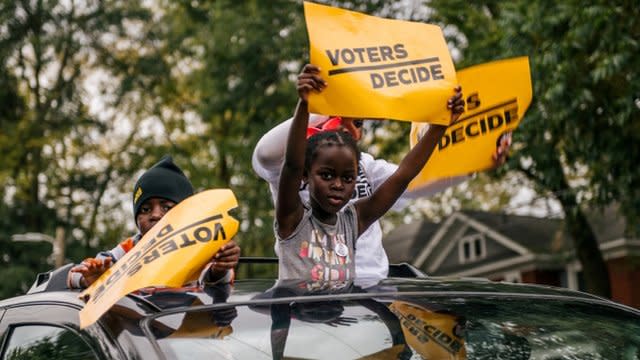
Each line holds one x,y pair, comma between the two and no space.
411,328
478,247
308,331
45,342
471,248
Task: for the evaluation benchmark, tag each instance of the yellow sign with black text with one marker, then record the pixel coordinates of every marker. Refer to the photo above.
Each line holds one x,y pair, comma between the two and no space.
497,96
171,254
432,334
379,68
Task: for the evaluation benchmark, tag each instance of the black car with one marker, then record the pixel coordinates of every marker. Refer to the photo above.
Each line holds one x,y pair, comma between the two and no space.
407,316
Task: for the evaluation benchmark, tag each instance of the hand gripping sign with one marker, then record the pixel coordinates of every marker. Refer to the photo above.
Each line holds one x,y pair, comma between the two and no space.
171,254
497,95
379,68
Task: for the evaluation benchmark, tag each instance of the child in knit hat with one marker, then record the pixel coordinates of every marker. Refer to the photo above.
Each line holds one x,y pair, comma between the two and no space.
159,189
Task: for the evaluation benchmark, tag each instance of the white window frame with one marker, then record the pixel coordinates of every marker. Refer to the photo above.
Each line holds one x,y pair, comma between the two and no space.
572,269
471,240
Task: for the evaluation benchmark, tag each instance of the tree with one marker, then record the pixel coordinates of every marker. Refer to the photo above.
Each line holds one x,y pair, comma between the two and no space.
243,58
54,160
97,91
576,140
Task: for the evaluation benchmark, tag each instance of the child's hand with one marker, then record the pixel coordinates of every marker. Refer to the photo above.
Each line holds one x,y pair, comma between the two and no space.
91,269
225,259
502,149
456,104
310,80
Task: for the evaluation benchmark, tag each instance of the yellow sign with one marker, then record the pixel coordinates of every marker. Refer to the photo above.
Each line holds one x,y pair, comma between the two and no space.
432,334
497,95
379,68
201,325
196,324
171,254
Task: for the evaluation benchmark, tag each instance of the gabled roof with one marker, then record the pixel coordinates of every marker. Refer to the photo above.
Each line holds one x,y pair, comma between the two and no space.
441,247
404,242
538,235
514,239
544,235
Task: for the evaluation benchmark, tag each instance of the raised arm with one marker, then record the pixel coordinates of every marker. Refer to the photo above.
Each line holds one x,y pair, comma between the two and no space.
289,209
499,157
372,208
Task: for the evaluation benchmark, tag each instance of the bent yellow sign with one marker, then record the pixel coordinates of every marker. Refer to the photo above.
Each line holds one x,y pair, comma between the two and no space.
497,95
171,254
379,68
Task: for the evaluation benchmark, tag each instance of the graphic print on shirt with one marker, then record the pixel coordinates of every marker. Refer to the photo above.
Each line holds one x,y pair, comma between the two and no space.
363,186
330,255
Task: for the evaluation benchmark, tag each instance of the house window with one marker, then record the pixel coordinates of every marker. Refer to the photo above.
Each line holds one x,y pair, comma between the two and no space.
472,248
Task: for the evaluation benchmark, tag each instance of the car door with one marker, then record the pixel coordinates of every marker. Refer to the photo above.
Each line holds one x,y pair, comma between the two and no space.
51,331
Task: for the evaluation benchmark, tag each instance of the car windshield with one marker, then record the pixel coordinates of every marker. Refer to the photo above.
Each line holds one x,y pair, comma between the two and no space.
409,327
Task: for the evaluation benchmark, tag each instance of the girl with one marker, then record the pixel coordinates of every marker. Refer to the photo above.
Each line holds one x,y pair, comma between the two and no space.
317,239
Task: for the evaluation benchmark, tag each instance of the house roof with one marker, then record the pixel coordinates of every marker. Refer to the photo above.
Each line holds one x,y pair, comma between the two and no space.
608,224
530,234
542,235
538,235
404,242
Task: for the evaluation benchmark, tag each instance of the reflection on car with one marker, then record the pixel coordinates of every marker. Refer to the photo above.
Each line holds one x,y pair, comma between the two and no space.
406,316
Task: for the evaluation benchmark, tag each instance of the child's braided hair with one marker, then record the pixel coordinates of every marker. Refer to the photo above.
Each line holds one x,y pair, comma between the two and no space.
329,138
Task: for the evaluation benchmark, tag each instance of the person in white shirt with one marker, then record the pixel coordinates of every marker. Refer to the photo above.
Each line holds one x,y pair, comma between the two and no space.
371,259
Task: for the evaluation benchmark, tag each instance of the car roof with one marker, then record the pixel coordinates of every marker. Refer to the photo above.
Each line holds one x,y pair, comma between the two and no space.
162,321
250,291
441,295
48,289
68,297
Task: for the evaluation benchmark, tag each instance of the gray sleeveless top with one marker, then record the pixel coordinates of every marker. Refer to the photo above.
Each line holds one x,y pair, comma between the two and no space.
320,252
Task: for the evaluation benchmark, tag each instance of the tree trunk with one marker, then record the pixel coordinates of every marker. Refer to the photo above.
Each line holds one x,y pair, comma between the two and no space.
594,268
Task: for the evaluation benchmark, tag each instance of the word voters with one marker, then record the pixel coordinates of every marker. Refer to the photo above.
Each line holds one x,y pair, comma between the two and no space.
379,68
389,74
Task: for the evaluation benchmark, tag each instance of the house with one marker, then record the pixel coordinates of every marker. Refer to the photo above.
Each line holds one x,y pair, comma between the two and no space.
517,248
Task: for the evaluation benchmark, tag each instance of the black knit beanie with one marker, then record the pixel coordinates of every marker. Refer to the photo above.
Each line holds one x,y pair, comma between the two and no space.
164,180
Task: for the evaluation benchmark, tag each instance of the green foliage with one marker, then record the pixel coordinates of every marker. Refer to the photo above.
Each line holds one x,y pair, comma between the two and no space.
56,169
576,140
238,88
99,91
585,111
244,57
